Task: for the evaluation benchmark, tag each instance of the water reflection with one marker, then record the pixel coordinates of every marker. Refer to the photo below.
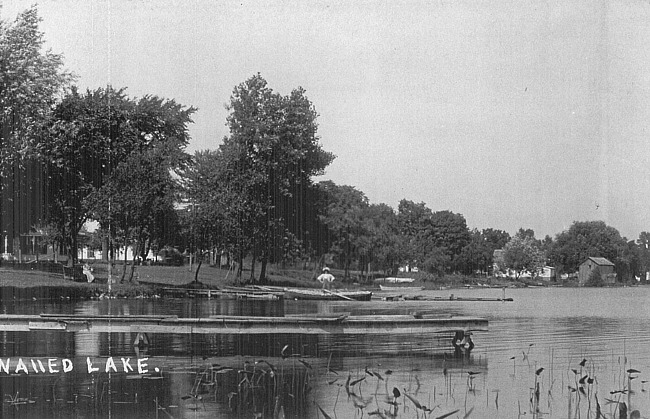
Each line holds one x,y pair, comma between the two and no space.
535,348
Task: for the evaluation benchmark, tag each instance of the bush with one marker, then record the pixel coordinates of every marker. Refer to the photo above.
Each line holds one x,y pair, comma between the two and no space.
595,278
171,257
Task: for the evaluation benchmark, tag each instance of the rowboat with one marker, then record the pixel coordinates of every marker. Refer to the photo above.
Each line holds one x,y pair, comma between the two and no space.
394,280
321,294
227,292
389,288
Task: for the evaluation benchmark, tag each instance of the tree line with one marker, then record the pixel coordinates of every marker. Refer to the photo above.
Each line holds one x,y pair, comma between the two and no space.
122,162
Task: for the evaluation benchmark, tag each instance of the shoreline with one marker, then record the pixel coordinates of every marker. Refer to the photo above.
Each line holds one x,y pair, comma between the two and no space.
151,279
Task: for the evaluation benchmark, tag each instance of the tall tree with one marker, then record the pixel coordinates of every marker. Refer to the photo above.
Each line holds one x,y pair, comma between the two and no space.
476,255
643,243
345,208
140,192
30,82
217,207
382,245
521,254
414,223
450,232
276,153
431,234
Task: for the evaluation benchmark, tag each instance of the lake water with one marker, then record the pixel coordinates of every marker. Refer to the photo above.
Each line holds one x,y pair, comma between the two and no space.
551,353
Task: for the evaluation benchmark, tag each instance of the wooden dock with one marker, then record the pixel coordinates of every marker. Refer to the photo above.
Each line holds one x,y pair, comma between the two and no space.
407,297
306,324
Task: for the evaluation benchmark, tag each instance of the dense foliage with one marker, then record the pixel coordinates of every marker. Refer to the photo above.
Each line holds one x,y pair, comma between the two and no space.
30,82
111,158
522,255
586,239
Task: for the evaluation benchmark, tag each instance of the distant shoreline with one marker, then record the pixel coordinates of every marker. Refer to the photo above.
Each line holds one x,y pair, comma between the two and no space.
156,277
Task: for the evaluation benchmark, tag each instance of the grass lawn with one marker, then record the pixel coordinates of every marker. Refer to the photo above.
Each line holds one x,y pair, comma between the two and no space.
209,276
151,277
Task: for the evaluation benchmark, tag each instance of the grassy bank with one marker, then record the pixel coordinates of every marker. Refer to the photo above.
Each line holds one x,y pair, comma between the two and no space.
148,280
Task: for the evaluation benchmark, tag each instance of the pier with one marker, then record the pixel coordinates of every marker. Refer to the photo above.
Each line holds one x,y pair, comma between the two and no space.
302,324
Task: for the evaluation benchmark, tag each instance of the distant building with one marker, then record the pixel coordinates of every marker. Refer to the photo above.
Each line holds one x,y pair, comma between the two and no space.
591,264
547,272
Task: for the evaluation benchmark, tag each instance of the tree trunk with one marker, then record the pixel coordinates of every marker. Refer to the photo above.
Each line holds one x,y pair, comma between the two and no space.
144,249
240,260
124,269
253,260
262,279
198,267
135,252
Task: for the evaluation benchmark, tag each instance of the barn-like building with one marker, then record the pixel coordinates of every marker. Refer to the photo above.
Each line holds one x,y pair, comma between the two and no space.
605,267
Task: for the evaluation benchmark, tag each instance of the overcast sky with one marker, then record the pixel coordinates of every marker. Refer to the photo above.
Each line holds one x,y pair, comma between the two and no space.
514,113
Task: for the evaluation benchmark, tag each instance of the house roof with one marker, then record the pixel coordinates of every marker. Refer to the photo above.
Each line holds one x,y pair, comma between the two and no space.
601,261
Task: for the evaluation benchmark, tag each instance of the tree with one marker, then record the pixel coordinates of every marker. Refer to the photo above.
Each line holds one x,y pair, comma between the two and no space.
595,278
140,191
521,254
275,154
381,245
30,81
643,243
215,218
476,255
528,232
586,239
344,217
497,239
436,261
105,151
428,232
450,232
414,224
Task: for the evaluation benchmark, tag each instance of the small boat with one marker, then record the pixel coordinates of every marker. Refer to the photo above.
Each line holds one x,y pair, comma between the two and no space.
394,280
436,298
227,292
398,288
322,294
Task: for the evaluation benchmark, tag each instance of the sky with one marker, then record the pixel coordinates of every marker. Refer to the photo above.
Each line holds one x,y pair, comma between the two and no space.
513,113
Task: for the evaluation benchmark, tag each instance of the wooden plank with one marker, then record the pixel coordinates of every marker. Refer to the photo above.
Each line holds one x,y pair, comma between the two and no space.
338,295
47,326
342,324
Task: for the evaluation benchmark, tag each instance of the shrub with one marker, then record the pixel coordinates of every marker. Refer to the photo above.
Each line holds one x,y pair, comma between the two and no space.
595,278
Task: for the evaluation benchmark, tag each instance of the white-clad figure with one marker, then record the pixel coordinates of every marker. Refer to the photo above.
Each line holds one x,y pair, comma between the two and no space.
326,278
88,271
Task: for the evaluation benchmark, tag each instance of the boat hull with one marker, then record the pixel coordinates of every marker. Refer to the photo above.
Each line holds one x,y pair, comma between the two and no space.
398,288
300,294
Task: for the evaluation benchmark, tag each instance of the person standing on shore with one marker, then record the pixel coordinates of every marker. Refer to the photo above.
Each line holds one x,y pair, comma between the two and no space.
326,278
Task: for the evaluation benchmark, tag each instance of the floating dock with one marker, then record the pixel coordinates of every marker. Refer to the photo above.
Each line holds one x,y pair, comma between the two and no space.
303,324
407,297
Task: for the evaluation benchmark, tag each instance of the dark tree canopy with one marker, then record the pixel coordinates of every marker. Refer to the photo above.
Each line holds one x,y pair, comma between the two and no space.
273,154
30,82
442,234
92,144
585,239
